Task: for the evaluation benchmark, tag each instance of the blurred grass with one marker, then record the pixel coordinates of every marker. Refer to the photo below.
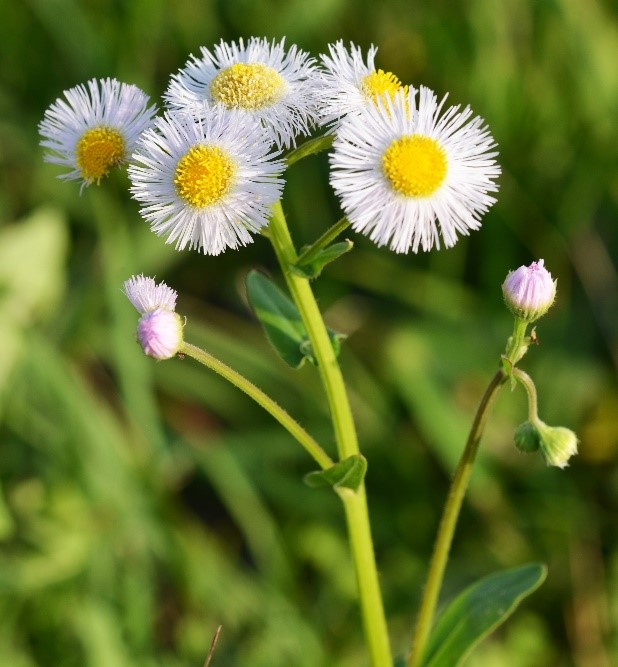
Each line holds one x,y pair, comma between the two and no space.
143,504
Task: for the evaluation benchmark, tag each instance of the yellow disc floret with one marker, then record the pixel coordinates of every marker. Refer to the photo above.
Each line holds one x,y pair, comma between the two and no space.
204,175
97,151
379,83
415,165
249,86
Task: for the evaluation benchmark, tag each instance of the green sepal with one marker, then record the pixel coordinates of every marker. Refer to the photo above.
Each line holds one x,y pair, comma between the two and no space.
313,267
310,147
479,610
347,474
281,321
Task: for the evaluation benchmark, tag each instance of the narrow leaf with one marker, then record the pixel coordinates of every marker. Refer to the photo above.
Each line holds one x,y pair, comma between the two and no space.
312,267
347,474
478,611
282,322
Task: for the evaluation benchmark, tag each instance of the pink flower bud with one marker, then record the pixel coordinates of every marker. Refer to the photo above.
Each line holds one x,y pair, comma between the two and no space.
529,291
160,333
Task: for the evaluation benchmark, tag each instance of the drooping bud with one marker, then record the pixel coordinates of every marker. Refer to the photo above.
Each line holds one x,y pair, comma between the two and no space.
558,444
529,291
527,438
160,333
160,329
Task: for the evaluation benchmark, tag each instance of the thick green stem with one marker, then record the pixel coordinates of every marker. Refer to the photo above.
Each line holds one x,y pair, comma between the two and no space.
355,504
517,345
448,523
262,399
328,367
326,239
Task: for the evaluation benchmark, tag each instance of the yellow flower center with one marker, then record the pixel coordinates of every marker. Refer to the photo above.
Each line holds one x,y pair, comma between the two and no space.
97,151
415,165
248,86
204,175
379,83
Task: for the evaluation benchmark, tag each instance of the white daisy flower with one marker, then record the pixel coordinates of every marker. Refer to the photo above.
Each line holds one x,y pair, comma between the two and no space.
146,295
407,175
349,84
206,181
259,79
94,129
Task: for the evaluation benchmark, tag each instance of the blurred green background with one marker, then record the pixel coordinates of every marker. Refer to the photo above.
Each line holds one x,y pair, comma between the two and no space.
144,504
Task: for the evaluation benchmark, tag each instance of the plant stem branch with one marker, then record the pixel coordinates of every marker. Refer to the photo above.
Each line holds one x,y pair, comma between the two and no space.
262,399
448,522
329,235
528,384
310,147
355,503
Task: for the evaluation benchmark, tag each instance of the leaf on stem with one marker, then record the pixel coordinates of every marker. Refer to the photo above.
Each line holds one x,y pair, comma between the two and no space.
312,267
347,474
282,322
477,611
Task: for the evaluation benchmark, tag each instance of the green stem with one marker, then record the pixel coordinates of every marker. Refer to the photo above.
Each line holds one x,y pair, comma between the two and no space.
517,345
329,235
448,522
528,384
262,399
355,503
310,147
330,373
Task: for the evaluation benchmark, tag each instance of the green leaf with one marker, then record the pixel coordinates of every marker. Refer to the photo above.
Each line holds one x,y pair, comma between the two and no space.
478,611
347,474
312,267
282,322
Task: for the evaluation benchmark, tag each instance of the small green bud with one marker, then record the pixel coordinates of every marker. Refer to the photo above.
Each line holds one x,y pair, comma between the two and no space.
558,444
527,438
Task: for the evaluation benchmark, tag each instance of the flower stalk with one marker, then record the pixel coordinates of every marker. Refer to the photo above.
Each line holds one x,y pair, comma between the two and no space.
326,239
448,522
355,503
262,399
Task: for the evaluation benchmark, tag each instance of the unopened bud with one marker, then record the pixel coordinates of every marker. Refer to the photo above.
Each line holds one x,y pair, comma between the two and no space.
529,291
160,333
527,438
159,330
558,444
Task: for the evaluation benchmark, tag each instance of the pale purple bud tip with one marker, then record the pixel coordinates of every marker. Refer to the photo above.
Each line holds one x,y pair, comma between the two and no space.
147,296
160,333
529,291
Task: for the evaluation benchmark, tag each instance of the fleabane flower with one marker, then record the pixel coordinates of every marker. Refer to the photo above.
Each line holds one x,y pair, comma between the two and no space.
350,84
206,180
260,79
160,329
408,174
95,128
529,291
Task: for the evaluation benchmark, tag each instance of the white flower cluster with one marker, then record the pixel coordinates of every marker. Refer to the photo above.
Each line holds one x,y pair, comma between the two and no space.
409,172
